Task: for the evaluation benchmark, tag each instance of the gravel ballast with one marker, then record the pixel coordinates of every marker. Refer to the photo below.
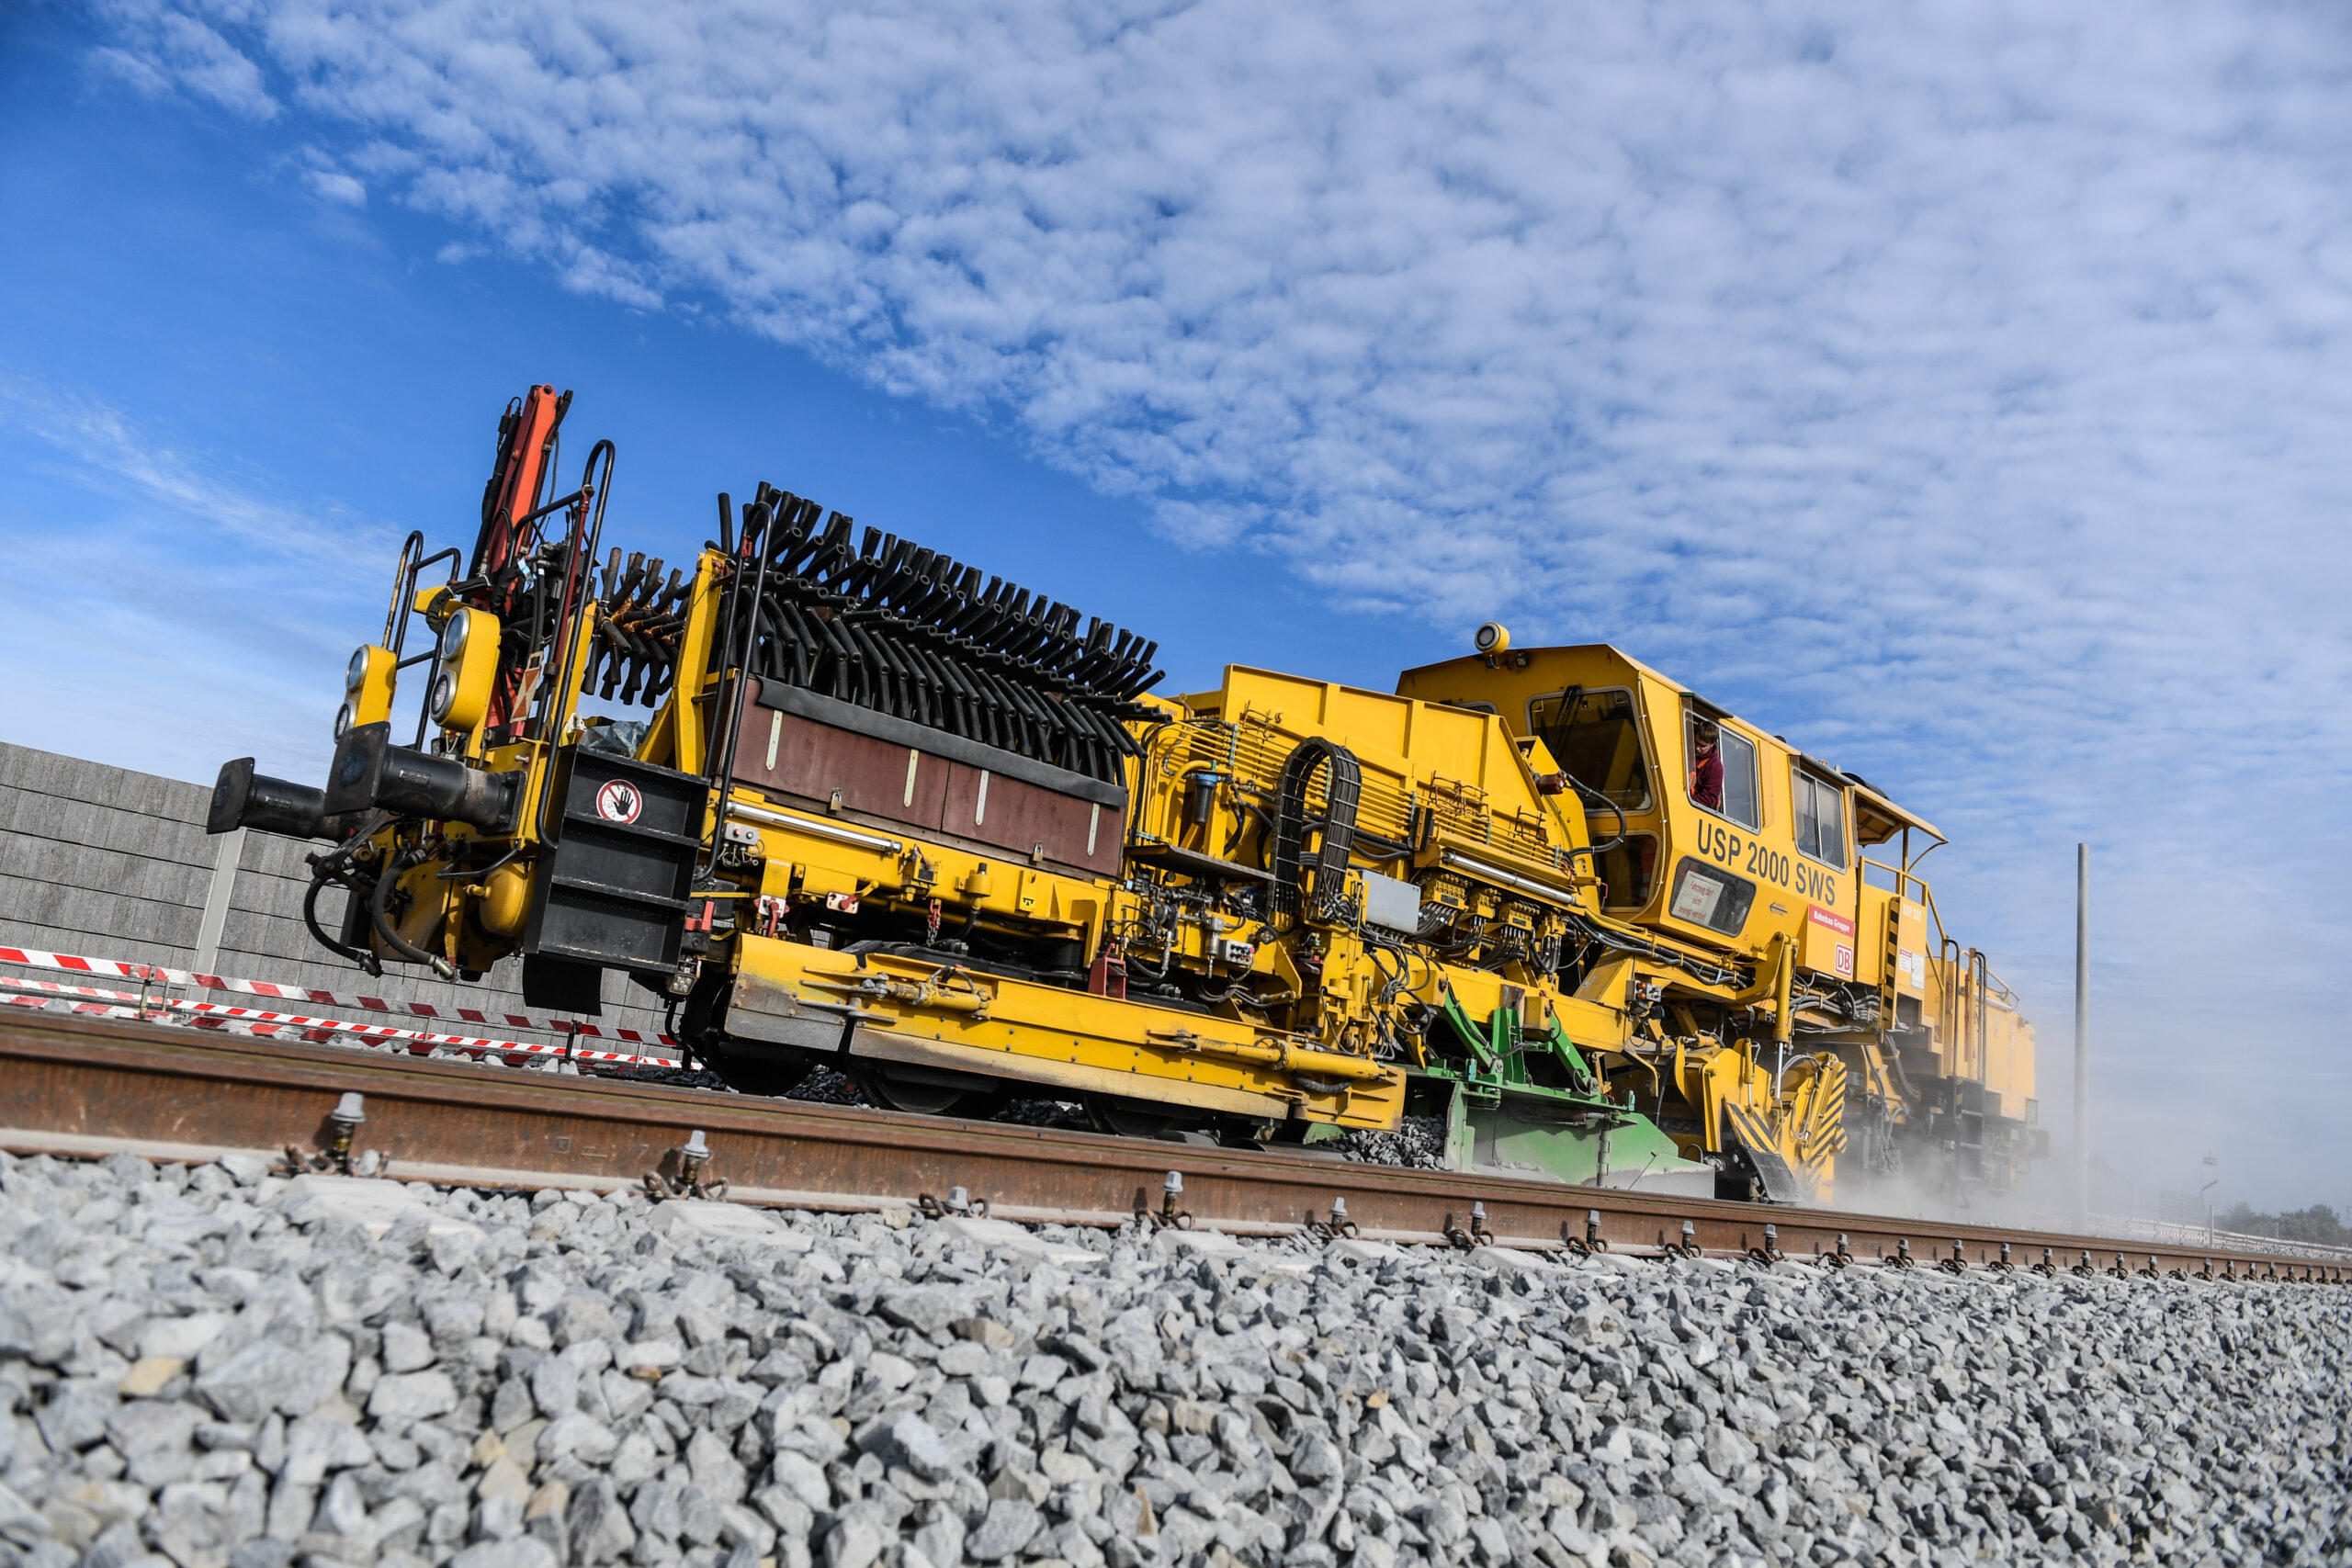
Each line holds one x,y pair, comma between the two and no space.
219,1367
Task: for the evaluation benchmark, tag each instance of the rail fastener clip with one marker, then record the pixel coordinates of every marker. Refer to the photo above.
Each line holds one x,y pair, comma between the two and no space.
685,1172
1339,1227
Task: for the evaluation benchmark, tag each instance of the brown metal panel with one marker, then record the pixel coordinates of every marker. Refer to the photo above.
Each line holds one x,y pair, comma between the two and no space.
814,759
1018,816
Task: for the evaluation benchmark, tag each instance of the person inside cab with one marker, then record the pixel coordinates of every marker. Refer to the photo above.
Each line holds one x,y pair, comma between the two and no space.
1706,764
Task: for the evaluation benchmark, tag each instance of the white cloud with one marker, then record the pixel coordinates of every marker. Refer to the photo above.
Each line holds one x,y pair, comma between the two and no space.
109,451
174,602
132,70
1962,384
340,188
165,42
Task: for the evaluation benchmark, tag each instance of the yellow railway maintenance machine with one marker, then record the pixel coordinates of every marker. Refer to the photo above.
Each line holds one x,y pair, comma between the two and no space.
1725,845
884,813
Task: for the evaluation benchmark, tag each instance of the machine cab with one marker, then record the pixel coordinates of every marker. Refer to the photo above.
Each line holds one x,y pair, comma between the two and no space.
1709,829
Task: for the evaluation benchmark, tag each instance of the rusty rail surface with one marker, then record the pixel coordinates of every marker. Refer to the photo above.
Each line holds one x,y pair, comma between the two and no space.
86,1088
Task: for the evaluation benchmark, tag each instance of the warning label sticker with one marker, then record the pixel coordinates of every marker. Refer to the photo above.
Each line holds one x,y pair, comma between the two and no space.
1697,901
619,801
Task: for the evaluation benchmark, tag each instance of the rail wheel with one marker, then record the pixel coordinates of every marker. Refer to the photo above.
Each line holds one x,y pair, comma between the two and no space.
1127,1117
923,1094
773,1077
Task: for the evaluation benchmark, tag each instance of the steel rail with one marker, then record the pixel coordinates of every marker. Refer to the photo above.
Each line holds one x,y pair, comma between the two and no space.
86,1088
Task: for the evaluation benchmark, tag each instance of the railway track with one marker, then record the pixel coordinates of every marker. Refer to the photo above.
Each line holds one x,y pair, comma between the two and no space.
84,1088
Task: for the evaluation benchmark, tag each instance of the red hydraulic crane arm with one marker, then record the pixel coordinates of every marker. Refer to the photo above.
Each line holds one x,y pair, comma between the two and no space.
525,446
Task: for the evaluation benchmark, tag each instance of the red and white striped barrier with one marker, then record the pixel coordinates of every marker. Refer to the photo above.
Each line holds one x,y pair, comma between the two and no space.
157,973
100,1002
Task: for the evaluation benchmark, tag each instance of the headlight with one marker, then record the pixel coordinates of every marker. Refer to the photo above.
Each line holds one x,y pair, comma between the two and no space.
341,721
355,675
466,673
445,693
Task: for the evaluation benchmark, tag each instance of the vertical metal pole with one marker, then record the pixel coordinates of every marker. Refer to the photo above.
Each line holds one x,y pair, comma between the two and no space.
2082,1037
2213,1179
214,923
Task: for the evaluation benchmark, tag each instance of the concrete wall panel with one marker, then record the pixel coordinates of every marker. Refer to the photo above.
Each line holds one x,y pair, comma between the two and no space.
106,863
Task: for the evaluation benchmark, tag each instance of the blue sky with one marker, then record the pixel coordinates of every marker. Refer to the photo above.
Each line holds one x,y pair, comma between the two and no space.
1959,390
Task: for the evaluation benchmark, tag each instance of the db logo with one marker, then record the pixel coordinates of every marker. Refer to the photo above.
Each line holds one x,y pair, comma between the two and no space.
1845,961
619,802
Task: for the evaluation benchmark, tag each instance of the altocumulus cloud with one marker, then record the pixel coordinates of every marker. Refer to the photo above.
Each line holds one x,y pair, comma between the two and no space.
1966,381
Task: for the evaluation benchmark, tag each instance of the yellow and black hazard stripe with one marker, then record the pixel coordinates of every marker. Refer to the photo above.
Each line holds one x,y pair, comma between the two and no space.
1754,1131
1824,1131
1828,1095
1814,1157
1754,1135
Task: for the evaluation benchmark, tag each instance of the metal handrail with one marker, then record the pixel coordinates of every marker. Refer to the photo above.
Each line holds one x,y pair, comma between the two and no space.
1903,879
557,697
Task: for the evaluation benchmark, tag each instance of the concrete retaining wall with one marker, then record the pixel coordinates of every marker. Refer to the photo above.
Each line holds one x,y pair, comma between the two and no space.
111,864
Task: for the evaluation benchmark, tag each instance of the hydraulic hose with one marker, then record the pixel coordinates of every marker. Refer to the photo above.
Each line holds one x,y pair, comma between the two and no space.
1166,961
1311,890
366,960
334,866
1597,850
392,939
1713,975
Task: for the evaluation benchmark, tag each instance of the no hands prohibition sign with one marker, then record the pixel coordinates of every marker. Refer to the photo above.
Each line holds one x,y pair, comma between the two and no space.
619,801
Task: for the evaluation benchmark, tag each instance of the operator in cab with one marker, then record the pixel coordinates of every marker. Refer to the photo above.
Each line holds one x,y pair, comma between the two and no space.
1706,765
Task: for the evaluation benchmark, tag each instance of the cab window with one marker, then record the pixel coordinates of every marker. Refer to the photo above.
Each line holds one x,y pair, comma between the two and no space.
1711,896
1820,816
1723,770
1596,741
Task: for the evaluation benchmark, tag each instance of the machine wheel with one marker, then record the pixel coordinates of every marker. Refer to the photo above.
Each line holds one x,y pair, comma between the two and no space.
1127,1117
925,1096
1238,1135
773,1077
